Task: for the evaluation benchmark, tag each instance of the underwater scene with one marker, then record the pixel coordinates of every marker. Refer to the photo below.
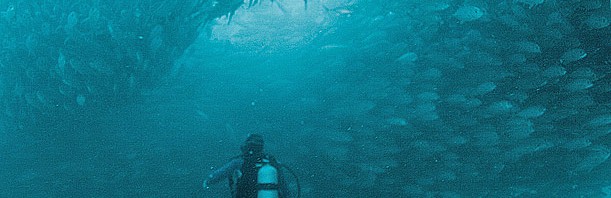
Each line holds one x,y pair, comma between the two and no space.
358,98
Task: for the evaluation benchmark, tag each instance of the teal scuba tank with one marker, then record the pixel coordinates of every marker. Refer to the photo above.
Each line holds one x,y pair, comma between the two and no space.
267,181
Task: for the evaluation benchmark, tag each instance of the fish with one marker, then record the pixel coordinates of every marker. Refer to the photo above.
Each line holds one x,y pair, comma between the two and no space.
600,121
576,144
333,47
532,112
485,88
156,38
597,155
397,121
201,114
80,100
554,71
71,22
590,4
530,3
131,82
596,22
468,13
528,146
61,65
339,11
428,96
572,55
500,107
9,14
519,128
579,85
583,72
407,57
436,6
528,47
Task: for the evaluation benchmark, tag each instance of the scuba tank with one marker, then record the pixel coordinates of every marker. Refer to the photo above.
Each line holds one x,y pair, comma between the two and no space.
267,181
261,180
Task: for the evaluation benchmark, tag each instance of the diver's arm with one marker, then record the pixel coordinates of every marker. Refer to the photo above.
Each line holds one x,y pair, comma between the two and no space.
223,172
283,188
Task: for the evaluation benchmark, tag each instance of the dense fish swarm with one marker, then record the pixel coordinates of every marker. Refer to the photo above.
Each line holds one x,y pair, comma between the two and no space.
504,98
63,57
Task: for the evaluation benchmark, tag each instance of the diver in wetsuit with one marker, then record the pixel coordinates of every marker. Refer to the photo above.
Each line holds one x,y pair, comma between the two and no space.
253,174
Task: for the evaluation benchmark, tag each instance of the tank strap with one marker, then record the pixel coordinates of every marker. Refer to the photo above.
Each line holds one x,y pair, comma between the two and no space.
268,186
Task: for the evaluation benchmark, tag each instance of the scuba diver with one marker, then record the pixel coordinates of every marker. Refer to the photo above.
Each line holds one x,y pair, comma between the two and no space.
253,174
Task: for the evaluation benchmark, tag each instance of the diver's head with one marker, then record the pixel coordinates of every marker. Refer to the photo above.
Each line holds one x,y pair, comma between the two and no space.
252,145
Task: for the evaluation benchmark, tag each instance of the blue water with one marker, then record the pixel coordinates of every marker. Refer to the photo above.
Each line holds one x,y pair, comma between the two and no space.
474,98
